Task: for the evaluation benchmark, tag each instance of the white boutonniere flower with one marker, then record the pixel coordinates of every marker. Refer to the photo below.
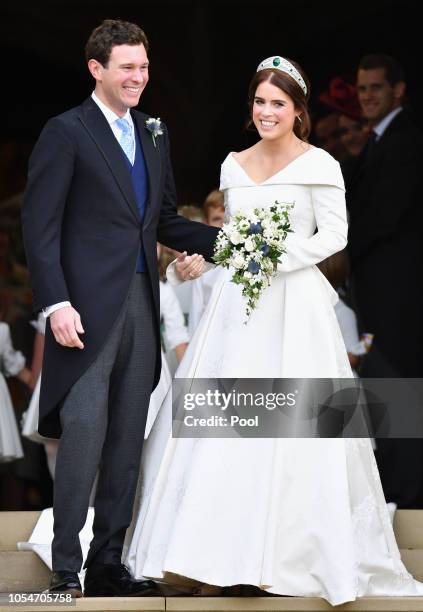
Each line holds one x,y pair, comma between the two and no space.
154,126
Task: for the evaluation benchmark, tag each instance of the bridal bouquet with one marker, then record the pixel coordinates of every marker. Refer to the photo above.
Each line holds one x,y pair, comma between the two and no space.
252,243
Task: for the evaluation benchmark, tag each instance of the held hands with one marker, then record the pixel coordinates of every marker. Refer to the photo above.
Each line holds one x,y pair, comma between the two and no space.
66,325
189,267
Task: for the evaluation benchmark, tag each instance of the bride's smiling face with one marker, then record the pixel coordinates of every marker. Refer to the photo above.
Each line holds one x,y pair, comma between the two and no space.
273,111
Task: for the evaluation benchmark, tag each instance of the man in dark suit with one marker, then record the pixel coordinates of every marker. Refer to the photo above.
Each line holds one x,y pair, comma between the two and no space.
384,196
100,194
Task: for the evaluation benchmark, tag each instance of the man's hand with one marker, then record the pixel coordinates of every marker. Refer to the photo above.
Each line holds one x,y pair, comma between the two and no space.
189,267
66,325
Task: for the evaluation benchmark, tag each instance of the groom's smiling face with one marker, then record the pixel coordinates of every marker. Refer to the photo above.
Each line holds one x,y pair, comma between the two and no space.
121,82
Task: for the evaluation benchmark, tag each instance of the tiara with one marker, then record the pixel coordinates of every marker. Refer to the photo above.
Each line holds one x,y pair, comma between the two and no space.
280,63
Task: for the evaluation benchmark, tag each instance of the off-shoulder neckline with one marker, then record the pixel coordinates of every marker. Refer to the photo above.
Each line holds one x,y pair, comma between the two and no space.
231,155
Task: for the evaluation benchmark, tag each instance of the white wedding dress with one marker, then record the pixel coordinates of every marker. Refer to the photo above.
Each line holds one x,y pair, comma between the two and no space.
301,517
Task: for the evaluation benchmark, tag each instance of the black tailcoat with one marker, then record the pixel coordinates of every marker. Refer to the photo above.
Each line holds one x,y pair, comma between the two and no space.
82,234
385,201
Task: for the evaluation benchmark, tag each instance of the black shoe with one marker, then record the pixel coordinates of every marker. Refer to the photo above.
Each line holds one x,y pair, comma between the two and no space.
116,581
65,582
245,590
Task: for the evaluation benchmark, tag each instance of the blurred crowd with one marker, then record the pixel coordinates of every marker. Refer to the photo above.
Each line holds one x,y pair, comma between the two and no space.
365,121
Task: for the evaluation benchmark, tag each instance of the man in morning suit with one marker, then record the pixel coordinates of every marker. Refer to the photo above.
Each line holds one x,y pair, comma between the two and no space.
384,197
100,193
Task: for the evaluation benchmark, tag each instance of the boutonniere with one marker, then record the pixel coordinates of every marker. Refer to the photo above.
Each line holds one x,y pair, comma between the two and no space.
154,126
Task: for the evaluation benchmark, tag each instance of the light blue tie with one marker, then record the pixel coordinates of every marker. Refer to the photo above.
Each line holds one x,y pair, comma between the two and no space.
126,139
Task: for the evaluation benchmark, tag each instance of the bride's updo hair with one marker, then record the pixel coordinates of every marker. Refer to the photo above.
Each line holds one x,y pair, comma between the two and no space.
286,83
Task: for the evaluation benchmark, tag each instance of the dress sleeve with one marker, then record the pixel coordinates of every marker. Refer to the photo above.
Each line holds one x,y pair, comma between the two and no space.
175,329
12,361
331,236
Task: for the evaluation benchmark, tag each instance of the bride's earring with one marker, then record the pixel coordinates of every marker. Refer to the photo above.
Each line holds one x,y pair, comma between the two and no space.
299,119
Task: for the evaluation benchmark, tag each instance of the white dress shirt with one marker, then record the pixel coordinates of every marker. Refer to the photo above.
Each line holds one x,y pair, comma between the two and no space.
111,119
386,121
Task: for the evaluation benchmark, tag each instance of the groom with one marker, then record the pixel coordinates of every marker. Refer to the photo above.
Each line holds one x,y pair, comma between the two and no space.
100,193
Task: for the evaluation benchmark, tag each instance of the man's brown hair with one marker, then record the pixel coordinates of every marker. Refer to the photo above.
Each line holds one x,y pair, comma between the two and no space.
109,34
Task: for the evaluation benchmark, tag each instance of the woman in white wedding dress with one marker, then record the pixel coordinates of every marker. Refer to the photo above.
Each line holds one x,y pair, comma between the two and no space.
300,517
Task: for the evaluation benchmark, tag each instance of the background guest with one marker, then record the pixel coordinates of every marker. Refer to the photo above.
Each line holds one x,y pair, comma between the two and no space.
384,199
183,291
30,418
337,270
214,213
214,208
174,336
326,136
352,127
12,363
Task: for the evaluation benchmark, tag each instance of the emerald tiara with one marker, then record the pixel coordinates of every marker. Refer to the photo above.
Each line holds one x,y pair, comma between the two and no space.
280,63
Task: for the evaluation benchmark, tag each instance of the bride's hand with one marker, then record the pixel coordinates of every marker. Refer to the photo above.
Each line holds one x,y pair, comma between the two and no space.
189,267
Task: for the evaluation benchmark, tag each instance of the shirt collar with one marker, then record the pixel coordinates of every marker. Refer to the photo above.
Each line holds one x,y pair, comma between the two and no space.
382,125
109,114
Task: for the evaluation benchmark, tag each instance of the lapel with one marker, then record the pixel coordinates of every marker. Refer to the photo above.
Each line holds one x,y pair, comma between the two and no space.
153,162
100,131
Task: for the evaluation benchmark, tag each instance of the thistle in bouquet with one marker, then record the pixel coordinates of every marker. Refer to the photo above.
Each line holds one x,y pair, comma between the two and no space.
252,243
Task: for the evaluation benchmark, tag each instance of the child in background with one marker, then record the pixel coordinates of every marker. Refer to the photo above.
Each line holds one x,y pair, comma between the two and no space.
30,417
214,213
12,363
336,269
214,208
174,340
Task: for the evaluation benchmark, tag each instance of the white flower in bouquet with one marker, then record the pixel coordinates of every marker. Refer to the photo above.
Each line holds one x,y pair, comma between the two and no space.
243,225
238,261
250,244
236,237
275,242
271,230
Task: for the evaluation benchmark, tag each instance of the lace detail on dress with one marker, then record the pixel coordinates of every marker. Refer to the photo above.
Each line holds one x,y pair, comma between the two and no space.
370,514
363,515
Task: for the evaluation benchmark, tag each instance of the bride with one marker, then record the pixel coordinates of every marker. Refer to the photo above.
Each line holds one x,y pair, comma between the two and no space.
300,517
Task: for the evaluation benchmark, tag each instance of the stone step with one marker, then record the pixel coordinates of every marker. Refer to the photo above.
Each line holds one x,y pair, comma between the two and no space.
22,571
413,561
291,604
226,604
408,527
92,604
16,527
